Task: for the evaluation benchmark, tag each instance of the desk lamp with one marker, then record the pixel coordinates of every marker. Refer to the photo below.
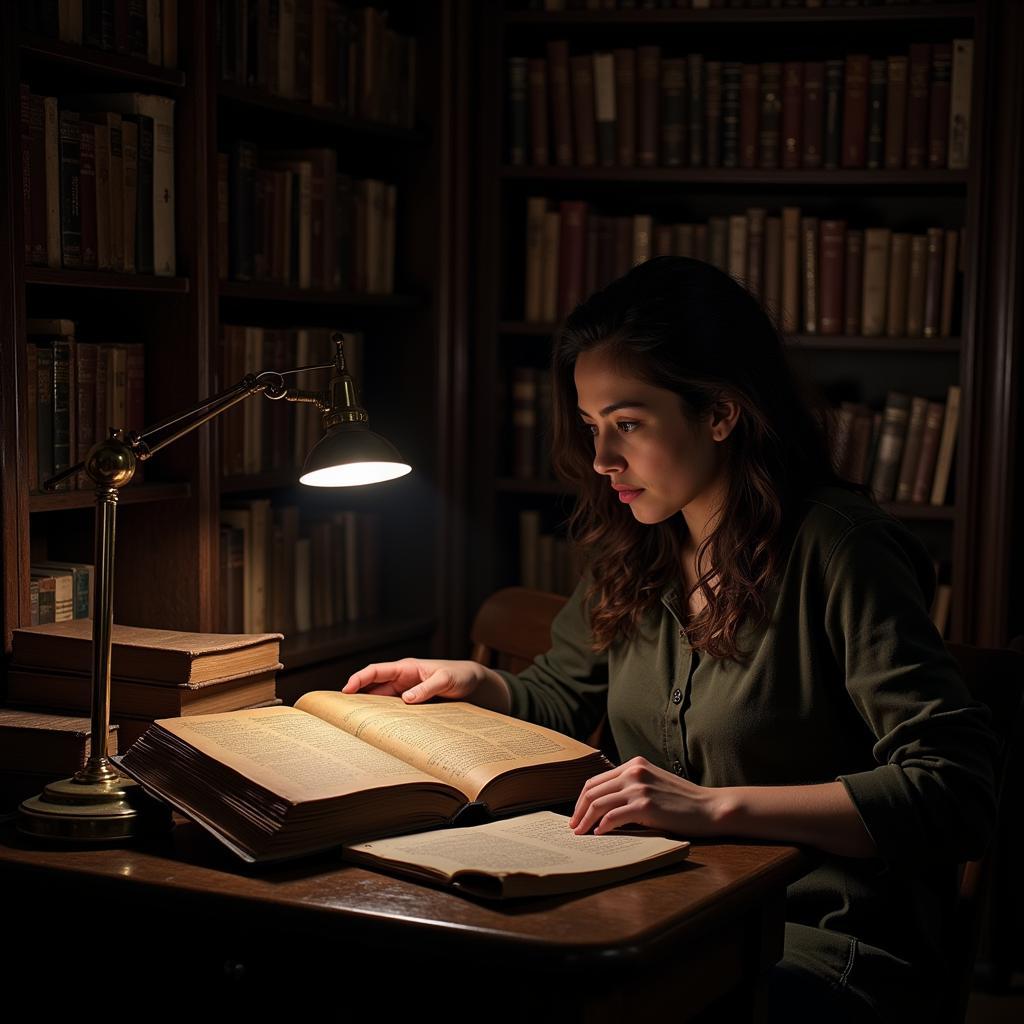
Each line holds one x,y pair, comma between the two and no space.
98,802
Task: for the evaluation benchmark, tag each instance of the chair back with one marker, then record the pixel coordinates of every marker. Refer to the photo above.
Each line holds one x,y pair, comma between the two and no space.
995,676
513,626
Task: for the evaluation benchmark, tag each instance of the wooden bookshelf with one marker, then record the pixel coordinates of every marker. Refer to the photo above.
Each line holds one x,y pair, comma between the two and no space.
985,199
168,538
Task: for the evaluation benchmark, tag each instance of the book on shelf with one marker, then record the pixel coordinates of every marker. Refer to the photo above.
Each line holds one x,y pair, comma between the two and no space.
533,854
260,436
267,555
905,451
80,597
146,31
161,656
546,561
98,181
817,276
341,768
324,53
289,217
649,107
153,117
82,389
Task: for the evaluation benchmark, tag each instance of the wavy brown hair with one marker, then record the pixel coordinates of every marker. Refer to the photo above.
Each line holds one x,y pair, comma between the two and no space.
684,325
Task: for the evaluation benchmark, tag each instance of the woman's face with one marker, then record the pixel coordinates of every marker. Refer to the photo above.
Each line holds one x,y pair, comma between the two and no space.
642,440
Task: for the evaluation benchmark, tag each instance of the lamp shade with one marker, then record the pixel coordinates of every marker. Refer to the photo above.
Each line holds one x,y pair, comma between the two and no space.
350,454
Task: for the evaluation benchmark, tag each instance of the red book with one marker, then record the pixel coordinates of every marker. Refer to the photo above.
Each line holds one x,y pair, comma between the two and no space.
814,113
917,106
648,66
831,272
571,254
855,110
561,107
792,113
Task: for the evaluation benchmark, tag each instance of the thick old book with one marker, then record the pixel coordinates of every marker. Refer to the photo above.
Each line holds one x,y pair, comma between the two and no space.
157,655
282,782
141,698
530,855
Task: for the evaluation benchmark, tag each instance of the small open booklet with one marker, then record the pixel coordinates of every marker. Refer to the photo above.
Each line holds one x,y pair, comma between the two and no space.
530,855
280,782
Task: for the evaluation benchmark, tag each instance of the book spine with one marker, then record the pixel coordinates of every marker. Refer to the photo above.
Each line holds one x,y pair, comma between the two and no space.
70,186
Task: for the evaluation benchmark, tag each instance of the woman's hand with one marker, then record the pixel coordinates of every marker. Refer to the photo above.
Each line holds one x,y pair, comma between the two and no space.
641,793
416,680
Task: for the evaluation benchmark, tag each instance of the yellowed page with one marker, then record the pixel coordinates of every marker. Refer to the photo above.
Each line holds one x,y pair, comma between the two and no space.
454,741
539,844
293,754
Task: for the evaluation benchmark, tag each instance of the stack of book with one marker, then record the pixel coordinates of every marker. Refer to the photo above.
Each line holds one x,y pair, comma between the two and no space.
38,748
155,673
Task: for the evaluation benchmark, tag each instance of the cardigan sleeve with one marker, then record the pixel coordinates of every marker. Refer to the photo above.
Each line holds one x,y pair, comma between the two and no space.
932,794
565,688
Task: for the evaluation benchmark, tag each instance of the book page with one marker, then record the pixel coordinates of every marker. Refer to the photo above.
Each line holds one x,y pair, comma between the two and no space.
538,844
454,741
291,753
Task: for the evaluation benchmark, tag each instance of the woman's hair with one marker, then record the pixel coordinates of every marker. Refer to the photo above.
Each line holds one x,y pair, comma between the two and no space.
684,325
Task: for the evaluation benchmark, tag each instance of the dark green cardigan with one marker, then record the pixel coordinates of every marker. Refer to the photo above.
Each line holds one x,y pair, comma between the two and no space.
850,681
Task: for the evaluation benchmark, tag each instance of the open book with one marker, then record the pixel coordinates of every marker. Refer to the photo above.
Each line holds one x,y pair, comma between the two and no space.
281,782
531,855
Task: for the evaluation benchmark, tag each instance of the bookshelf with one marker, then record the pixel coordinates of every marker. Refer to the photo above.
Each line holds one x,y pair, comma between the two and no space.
969,534
168,541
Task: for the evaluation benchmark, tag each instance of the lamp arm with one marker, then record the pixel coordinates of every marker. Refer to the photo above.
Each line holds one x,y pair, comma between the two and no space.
270,383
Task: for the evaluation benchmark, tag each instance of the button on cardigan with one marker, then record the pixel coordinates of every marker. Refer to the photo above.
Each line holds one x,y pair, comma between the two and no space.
849,681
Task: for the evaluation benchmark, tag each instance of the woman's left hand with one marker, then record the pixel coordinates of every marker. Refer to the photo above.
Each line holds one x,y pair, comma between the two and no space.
641,793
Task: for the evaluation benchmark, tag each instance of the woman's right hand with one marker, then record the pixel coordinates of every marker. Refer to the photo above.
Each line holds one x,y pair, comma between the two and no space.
416,680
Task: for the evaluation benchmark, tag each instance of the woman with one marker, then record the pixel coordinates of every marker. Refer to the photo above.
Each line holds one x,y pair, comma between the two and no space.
766,658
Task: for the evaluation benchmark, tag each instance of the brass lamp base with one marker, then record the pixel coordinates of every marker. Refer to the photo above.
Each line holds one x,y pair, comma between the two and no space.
86,810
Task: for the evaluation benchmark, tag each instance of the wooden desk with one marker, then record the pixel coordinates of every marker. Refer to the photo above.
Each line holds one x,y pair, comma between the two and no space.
182,911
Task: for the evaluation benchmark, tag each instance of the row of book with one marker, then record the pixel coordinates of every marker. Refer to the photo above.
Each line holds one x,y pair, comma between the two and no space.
813,275
637,107
284,571
259,436
905,451
145,29
60,591
76,392
321,52
546,561
98,181
155,673
289,217
555,6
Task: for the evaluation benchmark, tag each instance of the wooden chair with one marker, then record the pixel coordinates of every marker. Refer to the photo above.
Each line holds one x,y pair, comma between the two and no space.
512,627
995,677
